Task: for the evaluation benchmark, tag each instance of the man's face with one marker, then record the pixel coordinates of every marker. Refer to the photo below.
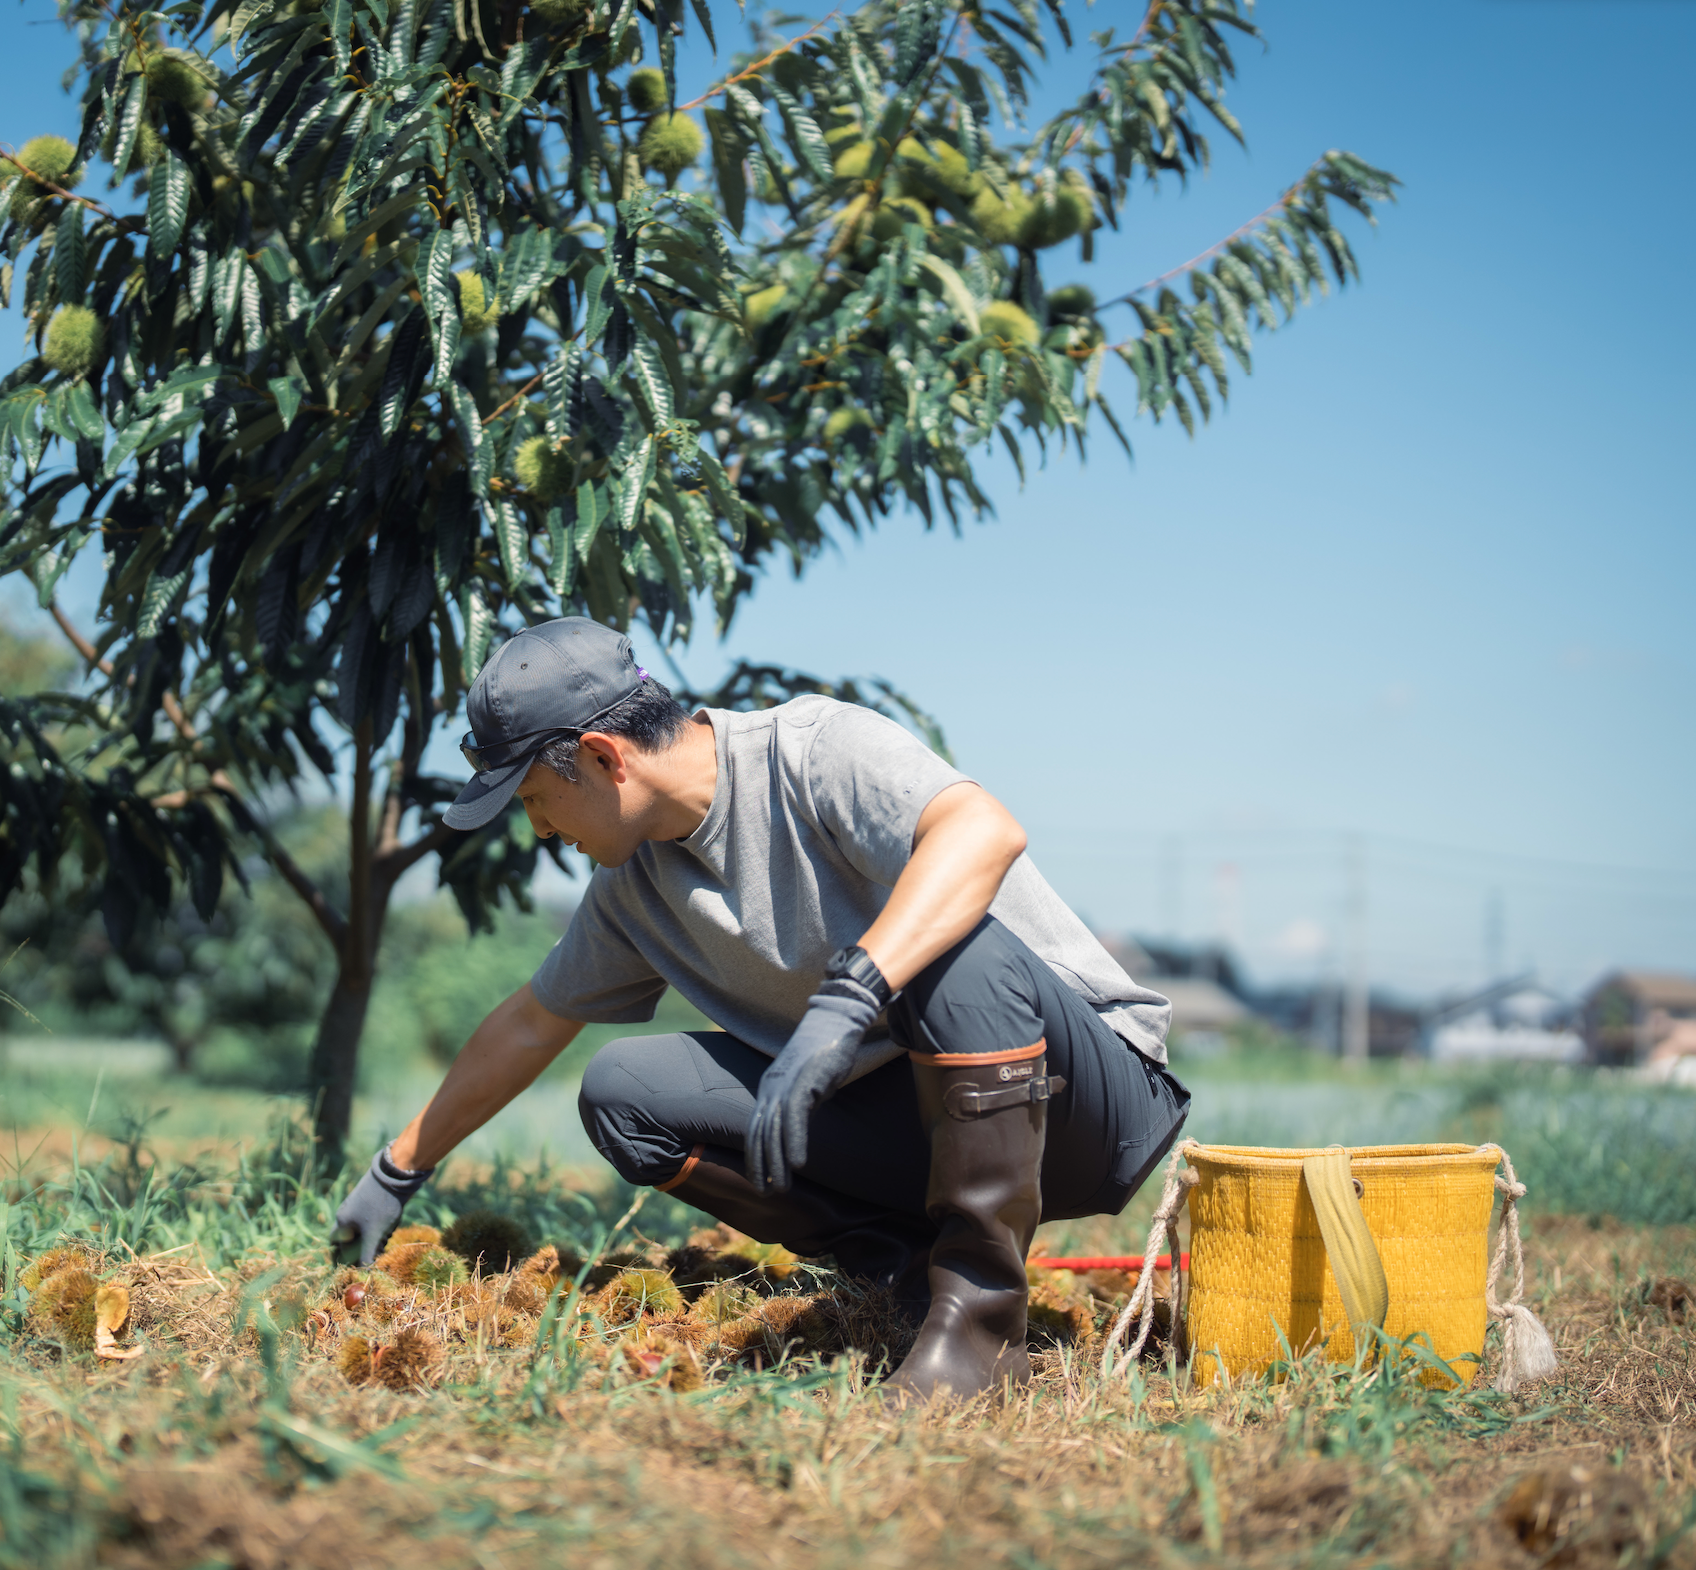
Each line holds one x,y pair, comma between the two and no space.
595,812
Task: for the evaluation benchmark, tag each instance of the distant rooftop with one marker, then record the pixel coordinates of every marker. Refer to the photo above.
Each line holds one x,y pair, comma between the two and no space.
1662,988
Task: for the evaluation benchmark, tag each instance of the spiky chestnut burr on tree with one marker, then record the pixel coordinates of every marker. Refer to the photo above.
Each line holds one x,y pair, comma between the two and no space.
440,316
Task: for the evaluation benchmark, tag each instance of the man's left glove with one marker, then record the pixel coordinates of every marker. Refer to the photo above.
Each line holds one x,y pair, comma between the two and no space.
811,1068
369,1213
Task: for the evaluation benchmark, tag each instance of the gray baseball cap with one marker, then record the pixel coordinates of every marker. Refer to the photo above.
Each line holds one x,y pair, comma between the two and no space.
546,683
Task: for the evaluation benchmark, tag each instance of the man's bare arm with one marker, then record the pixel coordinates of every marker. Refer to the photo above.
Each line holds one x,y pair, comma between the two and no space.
505,1054
964,843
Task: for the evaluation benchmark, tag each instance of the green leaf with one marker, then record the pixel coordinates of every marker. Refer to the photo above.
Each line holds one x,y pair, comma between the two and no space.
805,137
590,513
27,433
287,391
513,540
954,288
441,303
478,447
70,254
47,567
647,366
597,304
729,157
479,620
57,417
723,494
167,203
84,414
129,125
396,206
558,380
156,601
249,14
561,561
918,31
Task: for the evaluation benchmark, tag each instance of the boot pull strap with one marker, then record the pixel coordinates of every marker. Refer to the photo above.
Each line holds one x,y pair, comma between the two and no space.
967,1101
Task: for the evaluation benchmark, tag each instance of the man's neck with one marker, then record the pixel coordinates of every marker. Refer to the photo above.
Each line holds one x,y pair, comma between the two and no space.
686,777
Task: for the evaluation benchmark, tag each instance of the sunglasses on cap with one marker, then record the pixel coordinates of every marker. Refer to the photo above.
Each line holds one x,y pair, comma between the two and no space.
498,754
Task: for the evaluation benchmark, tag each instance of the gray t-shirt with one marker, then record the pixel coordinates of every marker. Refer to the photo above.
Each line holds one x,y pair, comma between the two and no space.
811,823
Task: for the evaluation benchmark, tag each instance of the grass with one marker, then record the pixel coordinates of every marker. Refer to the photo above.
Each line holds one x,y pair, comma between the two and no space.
235,1441
1584,1142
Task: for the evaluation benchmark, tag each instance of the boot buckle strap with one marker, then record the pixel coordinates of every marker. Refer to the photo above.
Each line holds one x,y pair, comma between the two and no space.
967,1101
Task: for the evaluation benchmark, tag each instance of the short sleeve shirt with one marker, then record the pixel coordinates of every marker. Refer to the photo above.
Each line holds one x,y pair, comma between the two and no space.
811,823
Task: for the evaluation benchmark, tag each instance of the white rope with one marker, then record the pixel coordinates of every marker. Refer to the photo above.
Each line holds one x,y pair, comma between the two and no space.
1163,1229
1527,1352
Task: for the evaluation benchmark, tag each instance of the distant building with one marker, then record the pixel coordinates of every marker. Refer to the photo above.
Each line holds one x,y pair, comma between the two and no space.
1203,984
1199,1007
1513,1021
1640,1016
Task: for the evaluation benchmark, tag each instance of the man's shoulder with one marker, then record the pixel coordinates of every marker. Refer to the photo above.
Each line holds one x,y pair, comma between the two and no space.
786,731
806,712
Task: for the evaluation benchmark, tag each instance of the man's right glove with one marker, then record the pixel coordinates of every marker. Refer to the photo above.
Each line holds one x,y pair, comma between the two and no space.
815,1064
370,1212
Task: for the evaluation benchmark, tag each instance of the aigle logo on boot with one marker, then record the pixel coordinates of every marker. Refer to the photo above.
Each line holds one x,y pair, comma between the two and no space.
1016,1071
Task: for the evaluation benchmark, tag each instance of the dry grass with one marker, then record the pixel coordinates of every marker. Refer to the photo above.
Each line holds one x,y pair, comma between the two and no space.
733,1428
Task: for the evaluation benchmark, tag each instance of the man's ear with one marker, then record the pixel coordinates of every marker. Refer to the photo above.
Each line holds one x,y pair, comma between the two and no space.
605,753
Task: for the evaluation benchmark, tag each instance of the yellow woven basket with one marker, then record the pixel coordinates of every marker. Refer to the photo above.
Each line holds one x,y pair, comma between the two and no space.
1258,1263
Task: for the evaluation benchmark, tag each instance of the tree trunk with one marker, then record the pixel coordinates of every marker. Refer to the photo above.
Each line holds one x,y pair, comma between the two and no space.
377,858
182,1051
335,1063
335,1054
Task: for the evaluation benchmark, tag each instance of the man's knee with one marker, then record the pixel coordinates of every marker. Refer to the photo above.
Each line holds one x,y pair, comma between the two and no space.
616,1107
976,997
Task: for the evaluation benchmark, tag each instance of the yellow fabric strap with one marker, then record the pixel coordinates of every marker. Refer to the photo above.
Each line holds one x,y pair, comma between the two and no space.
1361,1282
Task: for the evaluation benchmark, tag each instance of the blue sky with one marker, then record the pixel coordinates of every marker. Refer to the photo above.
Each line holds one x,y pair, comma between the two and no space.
1426,582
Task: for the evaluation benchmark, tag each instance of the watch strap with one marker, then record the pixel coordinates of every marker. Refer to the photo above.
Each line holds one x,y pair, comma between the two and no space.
854,964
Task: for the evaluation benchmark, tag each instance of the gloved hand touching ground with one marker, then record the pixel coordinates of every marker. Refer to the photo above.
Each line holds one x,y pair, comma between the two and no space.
811,1068
370,1212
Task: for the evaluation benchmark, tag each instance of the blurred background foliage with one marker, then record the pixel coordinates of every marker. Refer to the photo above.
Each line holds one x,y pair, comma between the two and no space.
236,996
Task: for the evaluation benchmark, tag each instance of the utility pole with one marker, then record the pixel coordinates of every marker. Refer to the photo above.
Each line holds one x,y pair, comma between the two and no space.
1495,939
1229,878
1357,1004
1172,886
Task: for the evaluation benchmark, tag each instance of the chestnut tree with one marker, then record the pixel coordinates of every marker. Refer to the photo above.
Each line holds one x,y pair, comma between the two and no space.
416,320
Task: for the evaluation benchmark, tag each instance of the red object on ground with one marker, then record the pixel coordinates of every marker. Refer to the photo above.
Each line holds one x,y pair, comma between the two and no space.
1109,1262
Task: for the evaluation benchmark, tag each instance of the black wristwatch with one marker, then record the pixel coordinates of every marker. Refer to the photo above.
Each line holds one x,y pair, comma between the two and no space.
855,964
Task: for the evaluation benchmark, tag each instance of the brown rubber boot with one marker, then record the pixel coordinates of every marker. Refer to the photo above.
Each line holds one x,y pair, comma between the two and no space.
876,1246
987,1117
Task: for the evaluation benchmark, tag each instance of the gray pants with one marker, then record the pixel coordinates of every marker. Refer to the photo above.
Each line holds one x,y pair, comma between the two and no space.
647,1101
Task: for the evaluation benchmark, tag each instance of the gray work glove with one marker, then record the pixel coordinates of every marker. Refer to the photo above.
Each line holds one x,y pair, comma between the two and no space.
811,1068
370,1212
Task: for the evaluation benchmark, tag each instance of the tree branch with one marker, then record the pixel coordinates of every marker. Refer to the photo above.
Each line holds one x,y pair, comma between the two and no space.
1144,25
757,66
391,864
523,392
328,918
1214,250
81,644
135,225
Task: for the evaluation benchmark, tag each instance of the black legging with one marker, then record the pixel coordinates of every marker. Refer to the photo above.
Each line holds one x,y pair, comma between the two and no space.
647,1101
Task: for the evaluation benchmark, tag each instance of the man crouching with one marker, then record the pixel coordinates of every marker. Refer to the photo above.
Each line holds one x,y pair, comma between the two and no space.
922,1052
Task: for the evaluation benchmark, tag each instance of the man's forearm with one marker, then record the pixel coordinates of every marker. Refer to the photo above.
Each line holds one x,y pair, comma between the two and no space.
504,1056
965,842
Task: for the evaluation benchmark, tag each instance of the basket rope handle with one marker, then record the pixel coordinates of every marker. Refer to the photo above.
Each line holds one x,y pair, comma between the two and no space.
1173,1197
1356,1265
1527,1351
